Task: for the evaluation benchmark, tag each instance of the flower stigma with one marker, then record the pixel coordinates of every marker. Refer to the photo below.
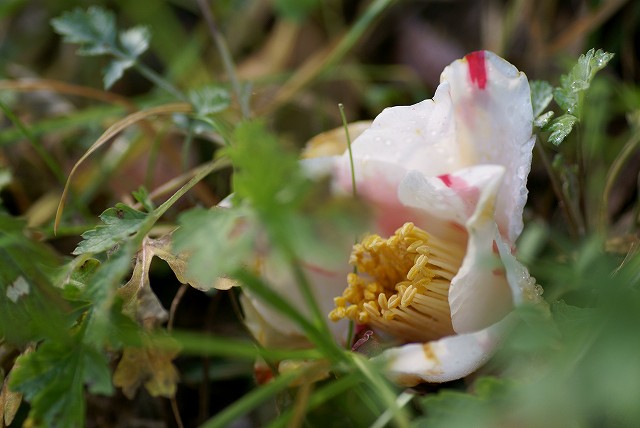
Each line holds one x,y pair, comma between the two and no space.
401,285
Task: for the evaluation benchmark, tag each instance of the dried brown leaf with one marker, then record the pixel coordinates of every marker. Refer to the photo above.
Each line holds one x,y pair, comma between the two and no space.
148,366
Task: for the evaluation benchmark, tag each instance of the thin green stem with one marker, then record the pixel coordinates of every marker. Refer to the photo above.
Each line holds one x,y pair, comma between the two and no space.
322,340
322,395
385,392
251,400
614,171
160,81
225,55
355,193
153,217
346,131
567,207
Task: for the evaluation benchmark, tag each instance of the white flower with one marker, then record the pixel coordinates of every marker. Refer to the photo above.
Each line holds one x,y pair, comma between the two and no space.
447,180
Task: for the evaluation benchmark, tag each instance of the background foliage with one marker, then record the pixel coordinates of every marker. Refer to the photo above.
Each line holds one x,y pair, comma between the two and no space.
155,109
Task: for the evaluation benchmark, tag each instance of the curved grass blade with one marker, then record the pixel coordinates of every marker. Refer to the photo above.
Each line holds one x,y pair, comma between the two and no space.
112,131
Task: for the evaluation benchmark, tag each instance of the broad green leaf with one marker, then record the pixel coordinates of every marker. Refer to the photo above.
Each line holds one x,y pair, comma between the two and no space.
120,223
561,127
541,96
52,379
209,100
30,306
450,408
215,242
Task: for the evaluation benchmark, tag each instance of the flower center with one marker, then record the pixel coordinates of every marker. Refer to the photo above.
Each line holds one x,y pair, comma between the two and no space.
401,285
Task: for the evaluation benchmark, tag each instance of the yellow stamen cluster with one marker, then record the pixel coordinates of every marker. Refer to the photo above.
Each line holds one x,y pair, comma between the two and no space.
401,285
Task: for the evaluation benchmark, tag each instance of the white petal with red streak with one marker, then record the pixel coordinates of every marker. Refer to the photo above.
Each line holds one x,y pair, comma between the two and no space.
494,125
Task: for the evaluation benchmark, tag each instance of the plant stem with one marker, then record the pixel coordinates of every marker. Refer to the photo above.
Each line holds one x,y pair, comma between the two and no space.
160,81
629,148
225,54
557,189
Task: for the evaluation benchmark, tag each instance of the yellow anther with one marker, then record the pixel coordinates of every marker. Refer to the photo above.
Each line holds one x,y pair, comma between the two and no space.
407,297
382,301
406,229
393,301
371,310
415,245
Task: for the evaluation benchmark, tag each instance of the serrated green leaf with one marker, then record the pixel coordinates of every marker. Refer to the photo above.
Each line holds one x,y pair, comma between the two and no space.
578,80
543,120
121,222
541,95
209,100
114,71
268,176
134,41
561,127
95,30
217,242
52,379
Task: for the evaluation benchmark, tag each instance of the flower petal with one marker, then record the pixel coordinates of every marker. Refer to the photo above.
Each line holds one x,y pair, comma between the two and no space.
493,121
443,360
270,325
479,294
418,137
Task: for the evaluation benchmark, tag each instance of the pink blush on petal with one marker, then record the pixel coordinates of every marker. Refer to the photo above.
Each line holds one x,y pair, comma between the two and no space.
470,195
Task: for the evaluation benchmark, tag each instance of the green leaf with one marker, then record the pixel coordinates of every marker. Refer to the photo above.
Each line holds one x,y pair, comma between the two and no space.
541,96
30,307
52,379
267,176
94,30
121,222
543,120
134,41
142,196
217,242
577,81
114,71
561,127
209,100
451,408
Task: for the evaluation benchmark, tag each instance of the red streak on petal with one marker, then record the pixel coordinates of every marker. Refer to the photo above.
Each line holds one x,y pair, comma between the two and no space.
446,179
495,248
477,69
